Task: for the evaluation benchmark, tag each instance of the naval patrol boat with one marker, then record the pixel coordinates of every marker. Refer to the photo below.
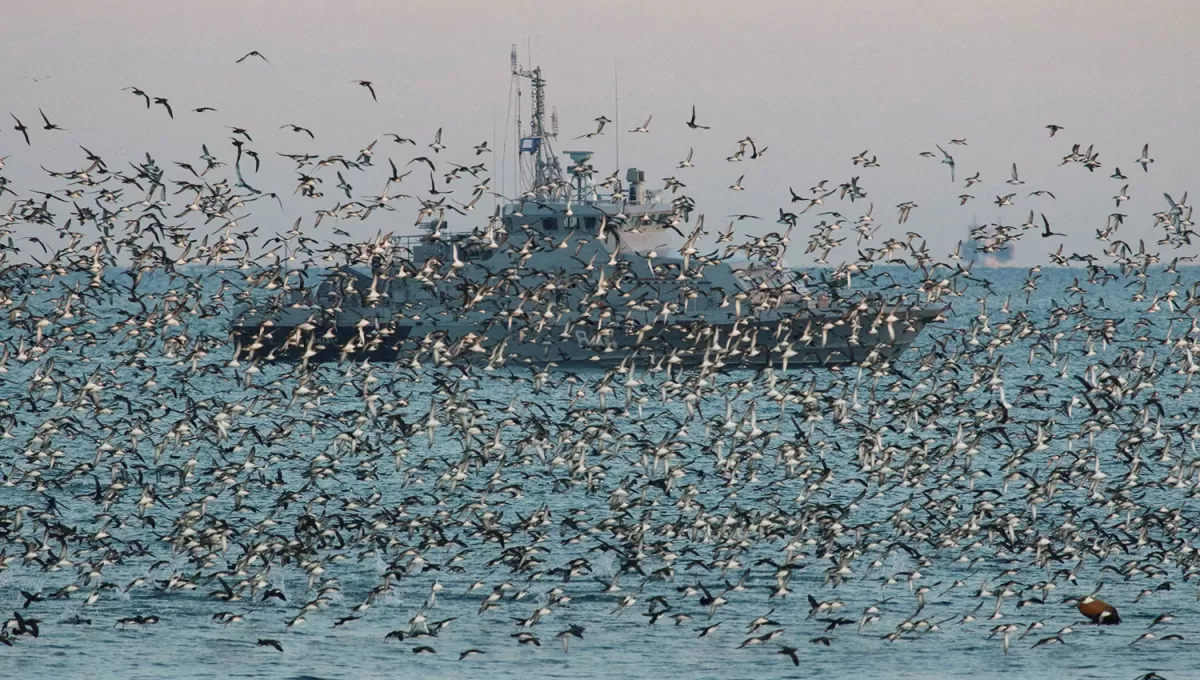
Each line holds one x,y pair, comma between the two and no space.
575,271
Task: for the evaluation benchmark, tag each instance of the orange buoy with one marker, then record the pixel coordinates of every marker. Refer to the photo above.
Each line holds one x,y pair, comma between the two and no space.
1099,611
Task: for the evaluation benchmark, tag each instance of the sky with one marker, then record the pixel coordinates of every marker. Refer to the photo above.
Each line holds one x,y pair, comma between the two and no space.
816,83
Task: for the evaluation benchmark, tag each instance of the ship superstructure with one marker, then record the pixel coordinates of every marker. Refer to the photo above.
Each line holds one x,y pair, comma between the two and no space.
577,269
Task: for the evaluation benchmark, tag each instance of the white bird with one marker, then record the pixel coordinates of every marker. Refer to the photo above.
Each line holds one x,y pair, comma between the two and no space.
437,145
1015,180
1145,160
1123,195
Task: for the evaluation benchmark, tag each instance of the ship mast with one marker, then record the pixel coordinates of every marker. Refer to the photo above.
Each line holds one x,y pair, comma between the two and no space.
539,167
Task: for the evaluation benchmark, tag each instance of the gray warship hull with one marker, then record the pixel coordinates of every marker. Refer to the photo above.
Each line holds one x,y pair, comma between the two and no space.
811,338
574,271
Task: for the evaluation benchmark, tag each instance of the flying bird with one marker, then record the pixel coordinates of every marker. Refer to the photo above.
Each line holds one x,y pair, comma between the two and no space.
1145,160
138,93
48,125
253,53
20,127
948,160
297,128
166,105
370,87
644,127
1047,233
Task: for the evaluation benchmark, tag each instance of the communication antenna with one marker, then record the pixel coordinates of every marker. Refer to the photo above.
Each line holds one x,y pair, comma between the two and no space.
535,154
513,59
617,114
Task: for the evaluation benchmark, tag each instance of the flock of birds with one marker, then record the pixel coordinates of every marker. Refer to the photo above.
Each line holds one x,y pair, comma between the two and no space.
989,482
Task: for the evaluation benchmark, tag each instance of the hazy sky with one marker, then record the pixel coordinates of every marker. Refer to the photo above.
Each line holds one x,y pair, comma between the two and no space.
816,82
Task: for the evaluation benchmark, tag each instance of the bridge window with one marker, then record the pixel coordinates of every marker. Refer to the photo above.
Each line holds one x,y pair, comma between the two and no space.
549,224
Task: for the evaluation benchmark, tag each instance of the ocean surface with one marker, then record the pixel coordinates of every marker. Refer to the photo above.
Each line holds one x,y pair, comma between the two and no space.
319,483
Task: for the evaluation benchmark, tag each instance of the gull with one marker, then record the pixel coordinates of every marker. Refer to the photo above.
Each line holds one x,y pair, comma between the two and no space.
948,160
367,84
437,145
737,186
692,123
166,105
469,653
1005,200
20,127
905,209
687,162
253,53
398,139
960,142
139,93
48,125
1122,195
973,179
963,198
1145,160
481,148
202,109
1117,174
1015,180
1054,128
297,128
600,123
644,127
1047,233
1041,192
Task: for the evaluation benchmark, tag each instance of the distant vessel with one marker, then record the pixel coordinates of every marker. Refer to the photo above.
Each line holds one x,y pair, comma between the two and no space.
573,271
987,249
